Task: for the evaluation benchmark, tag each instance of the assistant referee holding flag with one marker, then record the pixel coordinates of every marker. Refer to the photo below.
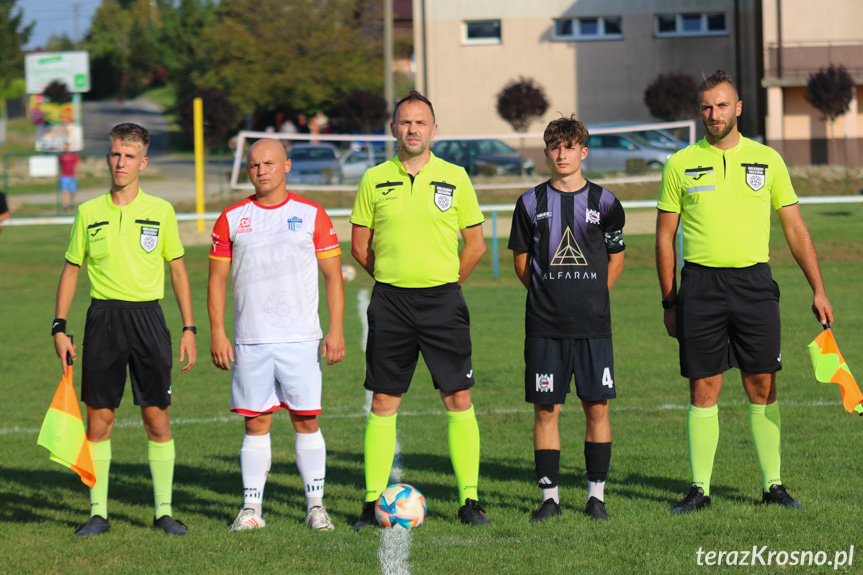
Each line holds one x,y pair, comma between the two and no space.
125,236
726,313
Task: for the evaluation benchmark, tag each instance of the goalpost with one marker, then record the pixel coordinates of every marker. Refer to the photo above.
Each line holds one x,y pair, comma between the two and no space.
364,151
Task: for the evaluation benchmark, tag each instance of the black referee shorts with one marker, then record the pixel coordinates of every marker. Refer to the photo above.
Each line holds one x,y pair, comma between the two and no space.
120,334
728,317
406,321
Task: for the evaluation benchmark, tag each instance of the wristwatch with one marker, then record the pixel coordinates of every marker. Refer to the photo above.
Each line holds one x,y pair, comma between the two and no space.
191,328
668,303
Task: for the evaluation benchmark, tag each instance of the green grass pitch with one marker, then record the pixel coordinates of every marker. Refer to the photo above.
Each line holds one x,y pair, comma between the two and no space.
43,502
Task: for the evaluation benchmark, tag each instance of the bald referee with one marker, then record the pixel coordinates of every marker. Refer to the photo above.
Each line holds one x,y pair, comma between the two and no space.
726,313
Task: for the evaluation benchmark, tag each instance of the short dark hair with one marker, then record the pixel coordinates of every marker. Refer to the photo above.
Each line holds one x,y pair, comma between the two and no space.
565,130
131,134
414,96
712,81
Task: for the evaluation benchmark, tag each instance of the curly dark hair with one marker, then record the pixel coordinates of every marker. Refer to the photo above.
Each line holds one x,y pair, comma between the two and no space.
565,130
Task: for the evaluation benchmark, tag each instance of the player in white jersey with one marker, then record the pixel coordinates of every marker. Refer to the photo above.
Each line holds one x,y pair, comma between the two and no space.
272,243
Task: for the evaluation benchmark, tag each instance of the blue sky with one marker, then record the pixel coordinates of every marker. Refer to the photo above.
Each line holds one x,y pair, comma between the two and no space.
56,17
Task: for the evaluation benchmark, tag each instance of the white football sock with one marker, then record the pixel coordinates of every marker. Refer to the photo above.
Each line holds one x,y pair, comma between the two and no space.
550,493
255,459
312,463
596,489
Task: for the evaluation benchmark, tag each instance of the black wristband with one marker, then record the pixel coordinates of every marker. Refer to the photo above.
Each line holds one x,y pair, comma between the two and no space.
668,303
191,328
58,326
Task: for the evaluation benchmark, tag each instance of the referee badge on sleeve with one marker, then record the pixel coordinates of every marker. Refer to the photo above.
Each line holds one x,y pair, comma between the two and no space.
149,238
755,175
443,195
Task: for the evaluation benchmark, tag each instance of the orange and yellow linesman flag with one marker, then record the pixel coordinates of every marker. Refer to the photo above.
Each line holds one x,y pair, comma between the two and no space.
830,367
63,432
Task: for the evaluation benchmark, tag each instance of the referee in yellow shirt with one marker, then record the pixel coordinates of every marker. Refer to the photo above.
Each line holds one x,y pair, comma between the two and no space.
726,313
414,206
125,236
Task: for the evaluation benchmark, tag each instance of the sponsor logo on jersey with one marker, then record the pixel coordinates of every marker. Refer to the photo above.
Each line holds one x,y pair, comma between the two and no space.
295,224
149,238
755,176
391,187
544,215
591,216
697,173
568,252
332,231
245,225
545,382
443,195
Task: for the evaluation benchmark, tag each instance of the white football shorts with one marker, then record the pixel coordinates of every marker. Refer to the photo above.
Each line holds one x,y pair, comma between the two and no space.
271,376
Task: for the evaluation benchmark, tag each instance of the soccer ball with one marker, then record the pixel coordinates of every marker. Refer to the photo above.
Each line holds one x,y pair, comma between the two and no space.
401,506
349,273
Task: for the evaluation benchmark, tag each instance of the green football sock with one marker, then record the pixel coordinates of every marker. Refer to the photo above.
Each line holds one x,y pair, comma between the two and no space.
463,434
161,456
766,429
702,434
379,451
101,455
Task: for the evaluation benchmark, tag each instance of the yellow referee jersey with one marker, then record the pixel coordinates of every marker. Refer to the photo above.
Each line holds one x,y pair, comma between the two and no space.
416,220
125,246
724,198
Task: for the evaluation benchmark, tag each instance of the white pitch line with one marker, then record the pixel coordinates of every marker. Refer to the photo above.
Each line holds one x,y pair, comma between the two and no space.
123,423
394,552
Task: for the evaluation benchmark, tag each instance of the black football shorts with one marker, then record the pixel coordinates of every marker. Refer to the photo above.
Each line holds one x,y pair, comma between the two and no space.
728,317
551,363
120,334
404,322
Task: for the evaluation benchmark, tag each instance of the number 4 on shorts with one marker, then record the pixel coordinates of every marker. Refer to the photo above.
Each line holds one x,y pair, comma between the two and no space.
606,378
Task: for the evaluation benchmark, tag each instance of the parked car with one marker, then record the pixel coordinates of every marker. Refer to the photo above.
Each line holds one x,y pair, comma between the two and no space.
656,137
482,157
611,152
360,158
314,164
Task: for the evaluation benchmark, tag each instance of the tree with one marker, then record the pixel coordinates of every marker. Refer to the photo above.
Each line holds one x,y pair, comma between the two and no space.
59,43
521,102
830,91
219,116
298,54
185,47
362,112
671,97
13,35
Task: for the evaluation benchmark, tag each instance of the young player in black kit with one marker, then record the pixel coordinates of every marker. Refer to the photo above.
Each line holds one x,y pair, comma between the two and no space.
568,250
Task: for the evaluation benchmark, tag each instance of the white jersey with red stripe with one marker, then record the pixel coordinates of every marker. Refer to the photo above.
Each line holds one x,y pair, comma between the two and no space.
273,252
